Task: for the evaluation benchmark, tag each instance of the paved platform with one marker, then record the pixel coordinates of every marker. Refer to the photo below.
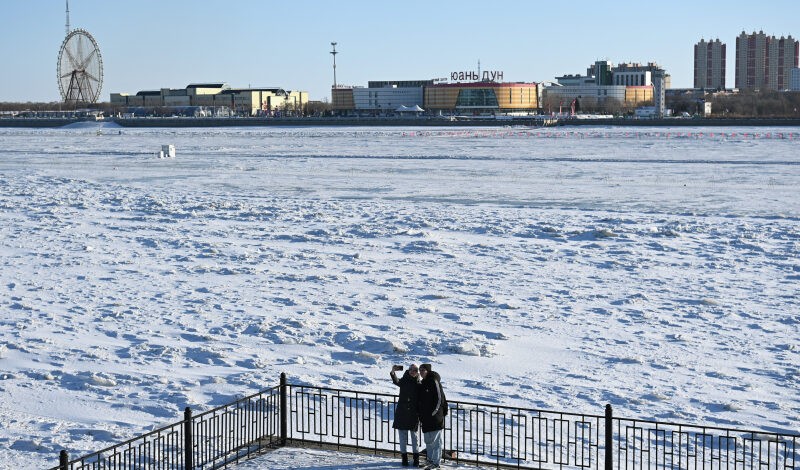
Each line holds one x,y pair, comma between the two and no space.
297,458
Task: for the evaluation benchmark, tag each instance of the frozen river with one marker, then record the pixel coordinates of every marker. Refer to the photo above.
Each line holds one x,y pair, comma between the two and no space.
653,269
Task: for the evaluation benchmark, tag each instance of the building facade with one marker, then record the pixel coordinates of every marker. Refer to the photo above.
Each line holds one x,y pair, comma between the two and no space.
384,98
606,87
603,73
379,97
660,92
244,101
485,98
794,84
765,62
709,64
399,83
342,99
636,74
472,98
559,98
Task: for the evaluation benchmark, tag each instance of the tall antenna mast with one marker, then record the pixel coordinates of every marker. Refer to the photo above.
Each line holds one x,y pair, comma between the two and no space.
67,18
333,53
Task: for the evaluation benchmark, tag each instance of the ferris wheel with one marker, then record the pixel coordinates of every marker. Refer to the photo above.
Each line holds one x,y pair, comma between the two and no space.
80,68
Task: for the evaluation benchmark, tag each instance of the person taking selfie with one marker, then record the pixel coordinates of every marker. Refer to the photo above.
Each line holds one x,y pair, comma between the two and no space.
406,418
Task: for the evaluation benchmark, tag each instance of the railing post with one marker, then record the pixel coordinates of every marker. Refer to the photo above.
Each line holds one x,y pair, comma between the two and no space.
609,438
284,414
63,460
188,442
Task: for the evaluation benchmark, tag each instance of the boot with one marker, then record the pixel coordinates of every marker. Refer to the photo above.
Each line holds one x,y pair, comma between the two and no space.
416,460
404,456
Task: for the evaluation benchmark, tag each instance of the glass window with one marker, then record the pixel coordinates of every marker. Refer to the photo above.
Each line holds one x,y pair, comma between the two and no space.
477,98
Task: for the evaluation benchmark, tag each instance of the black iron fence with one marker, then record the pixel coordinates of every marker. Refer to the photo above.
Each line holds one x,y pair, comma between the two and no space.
490,435
212,439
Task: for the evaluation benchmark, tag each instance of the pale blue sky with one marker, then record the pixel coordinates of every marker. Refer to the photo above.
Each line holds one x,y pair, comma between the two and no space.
150,44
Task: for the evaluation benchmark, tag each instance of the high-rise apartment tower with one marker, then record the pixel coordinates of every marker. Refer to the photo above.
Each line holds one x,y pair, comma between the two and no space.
709,64
765,62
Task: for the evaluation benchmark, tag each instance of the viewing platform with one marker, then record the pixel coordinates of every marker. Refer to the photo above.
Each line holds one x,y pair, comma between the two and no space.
291,417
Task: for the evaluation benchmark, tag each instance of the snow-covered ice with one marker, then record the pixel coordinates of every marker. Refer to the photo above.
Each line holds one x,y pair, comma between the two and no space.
655,269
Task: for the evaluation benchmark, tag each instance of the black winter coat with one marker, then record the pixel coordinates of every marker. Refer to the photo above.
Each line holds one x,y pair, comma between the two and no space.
432,403
405,413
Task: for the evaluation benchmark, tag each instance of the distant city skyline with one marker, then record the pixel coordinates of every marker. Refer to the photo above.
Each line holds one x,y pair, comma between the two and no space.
148,44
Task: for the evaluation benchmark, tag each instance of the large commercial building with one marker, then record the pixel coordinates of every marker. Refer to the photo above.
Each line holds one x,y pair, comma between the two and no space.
380,98
244,101
709,64
560,98
482,98
765,62
386,99
468,98
607,88
597,97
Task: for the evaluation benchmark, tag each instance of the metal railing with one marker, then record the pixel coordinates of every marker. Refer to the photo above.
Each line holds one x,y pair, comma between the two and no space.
493,435
474,432
212,439
650,444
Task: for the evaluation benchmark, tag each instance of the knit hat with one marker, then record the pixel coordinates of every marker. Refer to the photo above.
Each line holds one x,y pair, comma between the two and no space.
427,367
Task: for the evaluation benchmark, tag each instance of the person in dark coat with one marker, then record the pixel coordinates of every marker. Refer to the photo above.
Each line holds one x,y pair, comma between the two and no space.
406,418
432,410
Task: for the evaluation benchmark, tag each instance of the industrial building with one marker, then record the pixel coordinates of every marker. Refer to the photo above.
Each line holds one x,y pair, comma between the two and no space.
269,101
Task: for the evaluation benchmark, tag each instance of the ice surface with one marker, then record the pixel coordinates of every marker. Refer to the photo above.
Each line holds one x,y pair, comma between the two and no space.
653,269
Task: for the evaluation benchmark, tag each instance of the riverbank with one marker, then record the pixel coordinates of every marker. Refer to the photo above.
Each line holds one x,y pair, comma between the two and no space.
180,122
332,121
38,122
680,122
